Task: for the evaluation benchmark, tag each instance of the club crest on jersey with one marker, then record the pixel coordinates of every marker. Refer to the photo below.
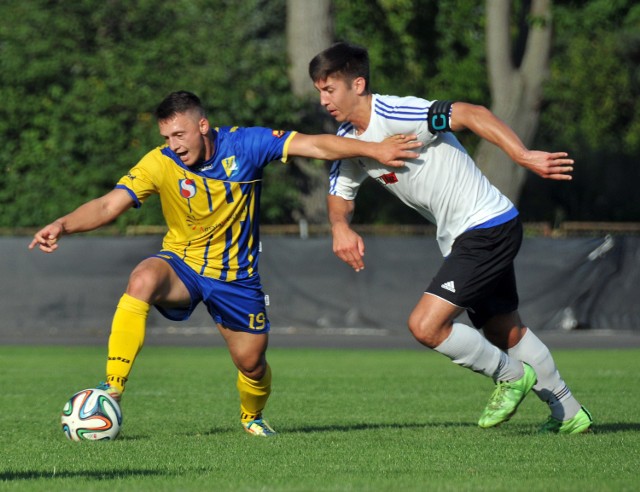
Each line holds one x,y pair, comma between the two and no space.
278,133
187,188
230,166
387,179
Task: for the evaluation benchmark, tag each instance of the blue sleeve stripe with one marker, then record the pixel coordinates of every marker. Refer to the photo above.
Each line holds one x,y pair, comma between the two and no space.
333,176
136,202
344,129
414,108
334,173
385,108
402,113
415,118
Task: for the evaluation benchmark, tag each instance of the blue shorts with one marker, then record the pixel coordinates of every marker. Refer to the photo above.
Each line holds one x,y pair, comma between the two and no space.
237,305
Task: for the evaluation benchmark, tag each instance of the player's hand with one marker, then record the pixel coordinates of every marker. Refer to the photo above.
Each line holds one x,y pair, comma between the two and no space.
396,149
46,239
349,247
548,165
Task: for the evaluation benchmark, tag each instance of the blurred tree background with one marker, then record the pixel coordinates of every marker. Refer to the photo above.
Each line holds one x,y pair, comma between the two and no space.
79,81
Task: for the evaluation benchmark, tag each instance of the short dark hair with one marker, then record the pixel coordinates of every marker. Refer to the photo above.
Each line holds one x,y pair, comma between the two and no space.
348,60
177,103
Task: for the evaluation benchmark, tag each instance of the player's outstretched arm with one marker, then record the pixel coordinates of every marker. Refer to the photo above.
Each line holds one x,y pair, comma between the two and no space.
482,122
347,244
391,152
86,217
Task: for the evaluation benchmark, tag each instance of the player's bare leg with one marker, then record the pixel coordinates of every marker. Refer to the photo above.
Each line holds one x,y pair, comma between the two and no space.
432,324
248,352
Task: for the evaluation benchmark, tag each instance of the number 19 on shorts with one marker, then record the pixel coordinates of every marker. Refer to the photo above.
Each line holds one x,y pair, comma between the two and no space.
257,321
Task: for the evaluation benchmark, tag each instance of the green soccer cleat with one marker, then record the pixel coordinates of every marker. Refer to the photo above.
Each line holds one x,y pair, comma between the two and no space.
506,397
258,427
112,391
579,424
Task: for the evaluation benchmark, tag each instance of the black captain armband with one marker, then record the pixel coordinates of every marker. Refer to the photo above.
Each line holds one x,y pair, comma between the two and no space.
439,117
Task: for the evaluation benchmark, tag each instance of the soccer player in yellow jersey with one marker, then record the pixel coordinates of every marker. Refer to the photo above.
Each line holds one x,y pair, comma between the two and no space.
209,182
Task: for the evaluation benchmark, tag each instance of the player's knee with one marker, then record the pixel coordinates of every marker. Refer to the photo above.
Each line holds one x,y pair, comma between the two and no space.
256,373
251,365
140,284
425,330
145,282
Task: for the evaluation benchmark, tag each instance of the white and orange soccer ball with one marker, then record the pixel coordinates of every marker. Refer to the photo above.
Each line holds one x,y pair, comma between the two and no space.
91,415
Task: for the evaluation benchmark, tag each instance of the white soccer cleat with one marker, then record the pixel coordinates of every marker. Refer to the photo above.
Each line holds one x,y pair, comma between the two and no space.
258,427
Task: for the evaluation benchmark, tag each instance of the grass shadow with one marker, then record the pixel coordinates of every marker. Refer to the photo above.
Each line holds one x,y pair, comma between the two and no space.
370,426
342,428
612,428
216,431
511,428
139,437
94,475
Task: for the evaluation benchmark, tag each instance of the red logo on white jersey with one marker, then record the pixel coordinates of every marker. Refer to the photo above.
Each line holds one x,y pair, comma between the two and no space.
387,179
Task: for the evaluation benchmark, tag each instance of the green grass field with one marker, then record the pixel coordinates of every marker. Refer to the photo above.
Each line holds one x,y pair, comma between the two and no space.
347,420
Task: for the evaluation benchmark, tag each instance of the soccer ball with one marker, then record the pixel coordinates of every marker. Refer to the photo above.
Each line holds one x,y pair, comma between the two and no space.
91,415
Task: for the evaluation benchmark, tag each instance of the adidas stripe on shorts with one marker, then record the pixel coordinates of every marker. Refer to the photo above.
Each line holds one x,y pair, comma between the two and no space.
479,274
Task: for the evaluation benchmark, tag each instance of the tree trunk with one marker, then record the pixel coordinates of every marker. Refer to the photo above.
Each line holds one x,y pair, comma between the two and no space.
516,91
309,31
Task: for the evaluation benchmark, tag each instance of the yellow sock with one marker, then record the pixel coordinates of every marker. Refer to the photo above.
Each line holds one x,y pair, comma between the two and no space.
253,395
126,339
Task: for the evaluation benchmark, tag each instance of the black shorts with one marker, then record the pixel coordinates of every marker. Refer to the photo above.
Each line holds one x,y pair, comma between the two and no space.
479,274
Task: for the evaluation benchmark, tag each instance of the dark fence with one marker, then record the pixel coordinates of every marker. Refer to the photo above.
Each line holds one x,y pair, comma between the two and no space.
69,296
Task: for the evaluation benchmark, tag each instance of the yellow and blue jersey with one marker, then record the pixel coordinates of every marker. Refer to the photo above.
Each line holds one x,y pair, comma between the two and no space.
212,210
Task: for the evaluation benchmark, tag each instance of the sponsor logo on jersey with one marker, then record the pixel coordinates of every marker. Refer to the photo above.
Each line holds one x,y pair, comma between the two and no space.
187,188
387,179
195,223
230,166
278,133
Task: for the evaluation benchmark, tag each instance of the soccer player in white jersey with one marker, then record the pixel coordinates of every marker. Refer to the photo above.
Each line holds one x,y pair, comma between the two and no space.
209,182
478,231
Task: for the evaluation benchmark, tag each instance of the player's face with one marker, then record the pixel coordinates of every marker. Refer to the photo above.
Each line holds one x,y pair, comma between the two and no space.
186,134
338,96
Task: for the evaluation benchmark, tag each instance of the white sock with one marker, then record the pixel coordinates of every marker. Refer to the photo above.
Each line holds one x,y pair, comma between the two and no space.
550,387
468,348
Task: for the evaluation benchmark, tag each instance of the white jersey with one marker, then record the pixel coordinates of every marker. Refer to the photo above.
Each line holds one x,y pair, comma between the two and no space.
443,184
